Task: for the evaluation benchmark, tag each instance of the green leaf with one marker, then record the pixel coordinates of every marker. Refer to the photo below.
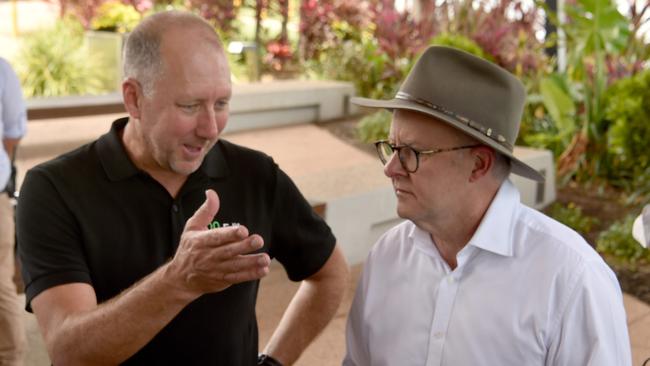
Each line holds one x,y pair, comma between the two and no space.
559,104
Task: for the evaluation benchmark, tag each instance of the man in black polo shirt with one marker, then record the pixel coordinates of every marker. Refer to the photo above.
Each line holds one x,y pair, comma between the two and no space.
146,246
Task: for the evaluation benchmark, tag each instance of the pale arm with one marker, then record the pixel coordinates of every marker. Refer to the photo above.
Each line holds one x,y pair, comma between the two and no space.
310,310
10,146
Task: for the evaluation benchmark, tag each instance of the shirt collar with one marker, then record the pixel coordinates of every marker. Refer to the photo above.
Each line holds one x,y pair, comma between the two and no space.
494,233
118,165
112,154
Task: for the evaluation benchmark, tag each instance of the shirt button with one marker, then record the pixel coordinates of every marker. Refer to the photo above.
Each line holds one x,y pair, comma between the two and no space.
450,279
175,207
438,335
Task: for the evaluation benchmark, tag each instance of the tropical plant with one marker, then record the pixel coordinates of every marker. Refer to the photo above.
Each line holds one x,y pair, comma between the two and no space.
143,6
221,13
552,125
115,16
627,112
374,126
596,29
54,62
399,34
504,29
368,43
316,20
618,242
572,216
360,60
82,10
461,42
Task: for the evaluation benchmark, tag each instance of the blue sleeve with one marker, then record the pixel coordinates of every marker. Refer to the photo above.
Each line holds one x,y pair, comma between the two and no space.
13,114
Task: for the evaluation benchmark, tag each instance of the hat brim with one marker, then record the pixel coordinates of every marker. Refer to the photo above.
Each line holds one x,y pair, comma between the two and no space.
517,166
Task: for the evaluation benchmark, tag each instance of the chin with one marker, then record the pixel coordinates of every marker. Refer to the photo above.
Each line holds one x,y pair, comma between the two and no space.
403,212
185,168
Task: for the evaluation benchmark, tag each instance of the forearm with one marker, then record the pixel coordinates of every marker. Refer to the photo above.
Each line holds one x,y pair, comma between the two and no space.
115,330
79,332
310,310
10,146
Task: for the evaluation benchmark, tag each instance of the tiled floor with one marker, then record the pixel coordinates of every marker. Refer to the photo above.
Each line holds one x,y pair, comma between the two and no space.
638,321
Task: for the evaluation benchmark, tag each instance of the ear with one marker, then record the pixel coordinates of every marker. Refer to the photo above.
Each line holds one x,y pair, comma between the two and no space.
132,96
484,159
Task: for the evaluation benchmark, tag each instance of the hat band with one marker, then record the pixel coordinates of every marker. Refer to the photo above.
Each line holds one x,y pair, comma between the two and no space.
473,125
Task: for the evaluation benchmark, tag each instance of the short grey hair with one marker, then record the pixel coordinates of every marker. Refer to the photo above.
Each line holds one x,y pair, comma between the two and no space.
142,58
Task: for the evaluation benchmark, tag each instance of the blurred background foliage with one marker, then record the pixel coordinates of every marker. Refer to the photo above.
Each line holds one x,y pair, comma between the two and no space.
572,216
592,111
617,241
54,62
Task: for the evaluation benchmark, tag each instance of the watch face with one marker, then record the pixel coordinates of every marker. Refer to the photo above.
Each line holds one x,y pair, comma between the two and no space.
645,219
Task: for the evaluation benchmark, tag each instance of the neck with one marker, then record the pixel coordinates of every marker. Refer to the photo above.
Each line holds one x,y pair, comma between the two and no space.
452,239
135,146
452,233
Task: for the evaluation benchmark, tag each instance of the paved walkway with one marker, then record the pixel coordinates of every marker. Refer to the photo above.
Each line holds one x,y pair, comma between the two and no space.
306,151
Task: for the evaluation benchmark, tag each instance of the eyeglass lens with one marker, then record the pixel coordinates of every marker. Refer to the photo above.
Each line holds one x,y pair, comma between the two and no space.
407,155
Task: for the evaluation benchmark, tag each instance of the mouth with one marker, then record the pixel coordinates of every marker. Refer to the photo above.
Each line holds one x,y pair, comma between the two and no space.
401,192
192,151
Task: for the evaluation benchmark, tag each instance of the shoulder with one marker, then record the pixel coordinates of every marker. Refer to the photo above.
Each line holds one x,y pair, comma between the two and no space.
235,151
244,160
551,235
556,246
71,166
8,76
5,67
392,241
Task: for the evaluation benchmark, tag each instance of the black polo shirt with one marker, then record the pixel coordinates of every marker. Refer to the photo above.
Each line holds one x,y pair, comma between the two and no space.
91,216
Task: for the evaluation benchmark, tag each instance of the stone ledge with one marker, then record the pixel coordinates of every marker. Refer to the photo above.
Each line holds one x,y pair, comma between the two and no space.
252,105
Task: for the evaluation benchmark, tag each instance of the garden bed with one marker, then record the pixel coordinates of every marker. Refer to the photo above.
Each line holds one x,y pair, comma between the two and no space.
606,207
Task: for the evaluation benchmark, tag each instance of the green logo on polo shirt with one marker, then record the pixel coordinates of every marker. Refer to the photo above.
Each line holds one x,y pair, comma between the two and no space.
216,224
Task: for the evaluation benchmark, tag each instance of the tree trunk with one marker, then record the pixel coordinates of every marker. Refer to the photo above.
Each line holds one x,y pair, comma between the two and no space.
284,12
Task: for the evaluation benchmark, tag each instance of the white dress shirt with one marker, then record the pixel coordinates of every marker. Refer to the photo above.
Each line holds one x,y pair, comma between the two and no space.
13,117
527,291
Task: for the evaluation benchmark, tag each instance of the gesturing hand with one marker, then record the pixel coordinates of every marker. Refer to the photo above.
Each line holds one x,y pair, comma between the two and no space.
210,260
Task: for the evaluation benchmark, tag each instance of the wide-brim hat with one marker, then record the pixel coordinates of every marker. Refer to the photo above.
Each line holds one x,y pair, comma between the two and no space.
469,93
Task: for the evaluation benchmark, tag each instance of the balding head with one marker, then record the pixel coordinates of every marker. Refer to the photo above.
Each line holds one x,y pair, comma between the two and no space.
143,60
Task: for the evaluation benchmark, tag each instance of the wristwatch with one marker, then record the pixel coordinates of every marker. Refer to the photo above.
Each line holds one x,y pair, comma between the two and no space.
266,360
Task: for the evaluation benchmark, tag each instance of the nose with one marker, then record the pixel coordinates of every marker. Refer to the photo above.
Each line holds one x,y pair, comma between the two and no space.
394,167
207,126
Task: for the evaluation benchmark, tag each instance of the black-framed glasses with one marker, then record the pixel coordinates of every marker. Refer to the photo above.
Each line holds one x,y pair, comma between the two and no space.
408,156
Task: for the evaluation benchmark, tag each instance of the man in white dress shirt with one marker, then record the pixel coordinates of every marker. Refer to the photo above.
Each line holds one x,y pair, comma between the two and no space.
473,277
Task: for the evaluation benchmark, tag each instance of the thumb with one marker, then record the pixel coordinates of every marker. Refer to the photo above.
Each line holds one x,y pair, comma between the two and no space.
204,214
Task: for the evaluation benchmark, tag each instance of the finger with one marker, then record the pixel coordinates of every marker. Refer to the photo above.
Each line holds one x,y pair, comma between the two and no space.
256,272
220,237
245,263
233,249
204,214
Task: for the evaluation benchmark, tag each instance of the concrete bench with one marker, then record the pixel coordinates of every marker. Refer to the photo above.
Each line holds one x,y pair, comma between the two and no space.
253,105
